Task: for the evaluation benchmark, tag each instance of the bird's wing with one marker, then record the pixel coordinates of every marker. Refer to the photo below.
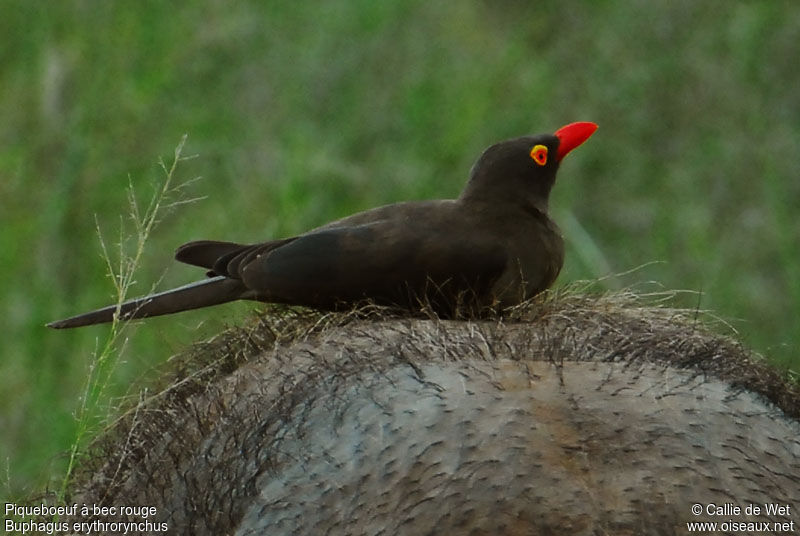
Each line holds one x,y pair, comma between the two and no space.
215,255
204,253
385,261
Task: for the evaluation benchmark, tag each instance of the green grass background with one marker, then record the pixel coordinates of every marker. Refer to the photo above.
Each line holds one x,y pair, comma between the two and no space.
301,112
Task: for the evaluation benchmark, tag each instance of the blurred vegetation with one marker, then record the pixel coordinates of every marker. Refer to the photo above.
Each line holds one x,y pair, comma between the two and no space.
301,112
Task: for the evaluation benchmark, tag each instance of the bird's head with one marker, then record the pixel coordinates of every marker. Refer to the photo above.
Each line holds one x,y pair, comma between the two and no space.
523,169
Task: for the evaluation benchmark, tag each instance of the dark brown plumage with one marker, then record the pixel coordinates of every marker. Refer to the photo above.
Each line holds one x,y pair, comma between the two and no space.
492,247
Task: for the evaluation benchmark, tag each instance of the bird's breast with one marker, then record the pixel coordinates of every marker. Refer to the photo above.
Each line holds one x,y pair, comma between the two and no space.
535,255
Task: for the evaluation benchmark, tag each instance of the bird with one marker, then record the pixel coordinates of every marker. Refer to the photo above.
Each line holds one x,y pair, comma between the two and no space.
491,248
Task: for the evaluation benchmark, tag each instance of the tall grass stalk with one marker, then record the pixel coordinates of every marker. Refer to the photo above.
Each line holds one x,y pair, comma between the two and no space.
106,354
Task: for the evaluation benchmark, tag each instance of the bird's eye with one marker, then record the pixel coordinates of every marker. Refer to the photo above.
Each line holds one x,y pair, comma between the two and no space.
539,154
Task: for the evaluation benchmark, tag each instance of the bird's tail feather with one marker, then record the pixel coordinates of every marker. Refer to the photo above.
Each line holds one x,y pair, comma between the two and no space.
203,293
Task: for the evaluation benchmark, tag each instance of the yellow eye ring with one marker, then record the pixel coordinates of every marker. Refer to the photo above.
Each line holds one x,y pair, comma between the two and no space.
539,154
